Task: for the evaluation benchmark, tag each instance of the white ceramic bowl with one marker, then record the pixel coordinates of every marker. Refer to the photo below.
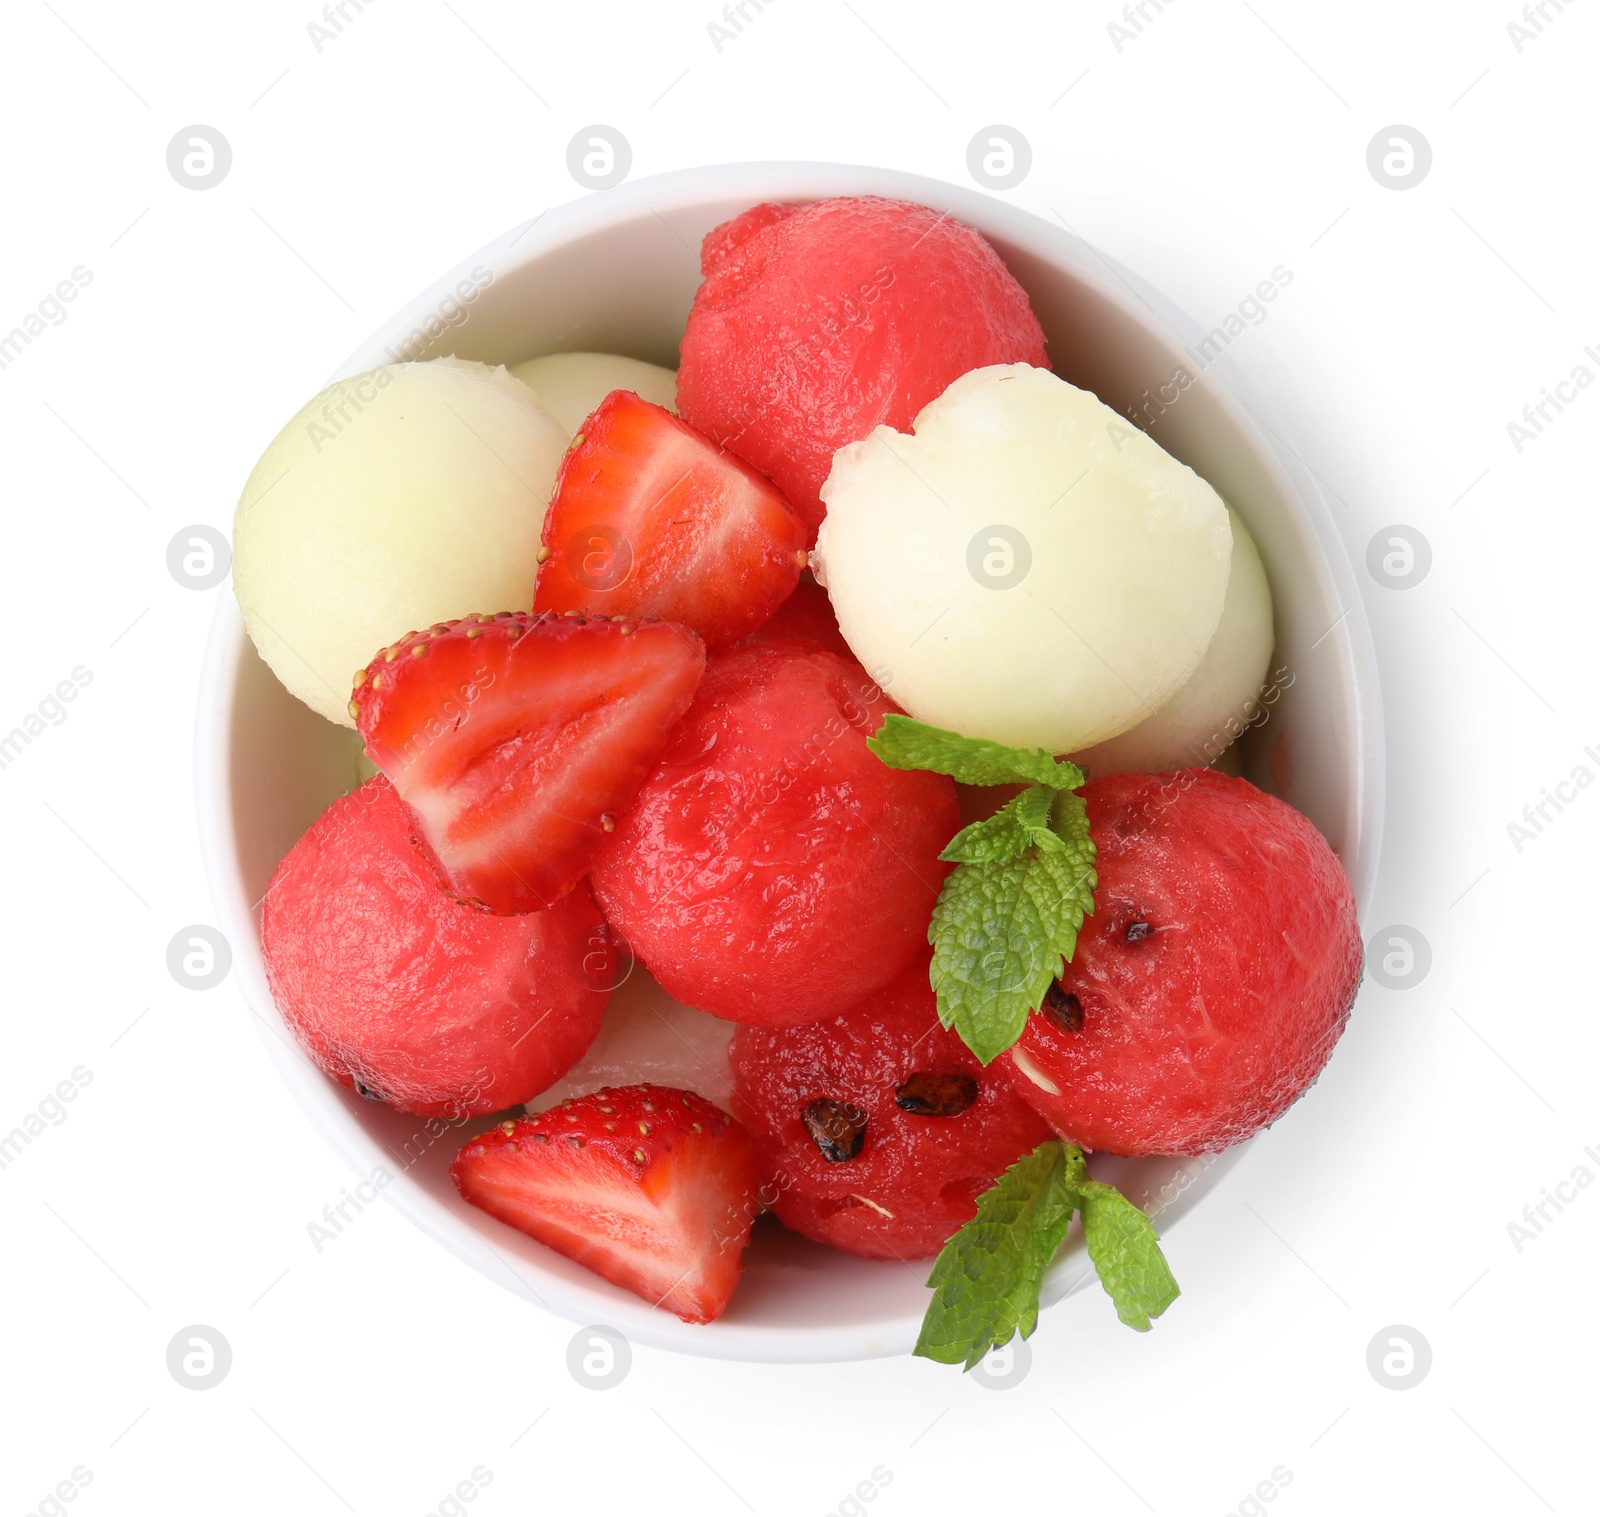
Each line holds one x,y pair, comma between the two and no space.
616,272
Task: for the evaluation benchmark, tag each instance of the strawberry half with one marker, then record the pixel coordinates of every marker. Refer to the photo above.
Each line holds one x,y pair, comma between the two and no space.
654,1189
652,518
516,739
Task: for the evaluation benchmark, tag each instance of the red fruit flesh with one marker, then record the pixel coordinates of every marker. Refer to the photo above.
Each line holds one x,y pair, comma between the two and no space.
917,1176
654,1189
516,738
722,242
806,613
650,518
817,323
773,870
399,991
1213,979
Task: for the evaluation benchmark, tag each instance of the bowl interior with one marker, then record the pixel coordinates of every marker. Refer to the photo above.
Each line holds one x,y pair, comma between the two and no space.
617,273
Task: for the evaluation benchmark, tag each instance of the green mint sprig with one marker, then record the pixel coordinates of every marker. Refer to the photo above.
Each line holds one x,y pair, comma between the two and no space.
1008,916
987,1277
905,743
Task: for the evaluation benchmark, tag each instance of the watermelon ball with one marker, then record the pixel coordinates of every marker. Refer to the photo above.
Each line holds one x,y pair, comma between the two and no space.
1212,981
817,323
806,613
403,993
773,870
878,1130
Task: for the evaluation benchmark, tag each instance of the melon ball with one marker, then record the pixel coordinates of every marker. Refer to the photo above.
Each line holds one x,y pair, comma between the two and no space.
408,495
816,323
571,385
1221,698
1025,566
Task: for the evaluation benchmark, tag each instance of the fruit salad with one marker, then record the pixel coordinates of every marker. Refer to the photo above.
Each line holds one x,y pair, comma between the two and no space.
801,789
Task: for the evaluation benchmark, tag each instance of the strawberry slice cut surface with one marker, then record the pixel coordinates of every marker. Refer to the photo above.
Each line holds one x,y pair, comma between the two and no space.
652,518
516,739
651,1188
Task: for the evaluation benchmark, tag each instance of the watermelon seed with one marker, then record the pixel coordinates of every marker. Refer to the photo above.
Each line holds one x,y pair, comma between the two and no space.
932,1095
1063,1008
836,1127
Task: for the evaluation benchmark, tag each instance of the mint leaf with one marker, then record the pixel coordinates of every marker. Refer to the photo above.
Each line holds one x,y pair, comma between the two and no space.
1126,1254
905,743
986,1278
1001,931
1019,824
1122,1246
1009,913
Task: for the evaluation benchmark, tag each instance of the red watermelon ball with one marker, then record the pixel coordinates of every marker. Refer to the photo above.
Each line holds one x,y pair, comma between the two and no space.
773,870
807,613
1210,985
817,323
400,991
877,1130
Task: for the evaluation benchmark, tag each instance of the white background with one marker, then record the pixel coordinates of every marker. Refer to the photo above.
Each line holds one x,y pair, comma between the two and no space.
1225,139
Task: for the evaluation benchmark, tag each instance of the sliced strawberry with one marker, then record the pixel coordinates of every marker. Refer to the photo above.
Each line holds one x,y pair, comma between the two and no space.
654,1189
517,738
651,518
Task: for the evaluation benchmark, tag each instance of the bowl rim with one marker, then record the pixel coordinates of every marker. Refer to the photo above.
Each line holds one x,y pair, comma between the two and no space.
756,181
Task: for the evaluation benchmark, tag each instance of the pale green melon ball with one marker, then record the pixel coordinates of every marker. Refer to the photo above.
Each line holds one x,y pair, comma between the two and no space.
408,495
1026,566
571,385
1221,697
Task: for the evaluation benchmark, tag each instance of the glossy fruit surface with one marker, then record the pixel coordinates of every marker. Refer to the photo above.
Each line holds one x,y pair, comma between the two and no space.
650,518
806,613
517,738
1213,979
878,1130
655,1189
773,870
817,323
404,994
